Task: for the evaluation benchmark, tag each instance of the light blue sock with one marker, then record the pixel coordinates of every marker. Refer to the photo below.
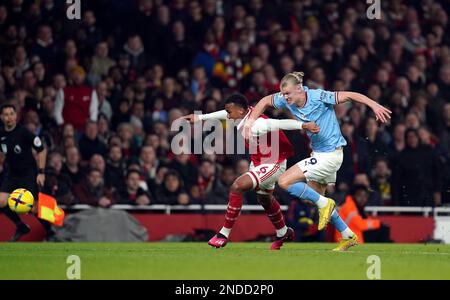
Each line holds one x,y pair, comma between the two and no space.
302,191
337,221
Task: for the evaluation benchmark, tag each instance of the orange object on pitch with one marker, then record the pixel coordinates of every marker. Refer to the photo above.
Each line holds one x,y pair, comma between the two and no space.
48,210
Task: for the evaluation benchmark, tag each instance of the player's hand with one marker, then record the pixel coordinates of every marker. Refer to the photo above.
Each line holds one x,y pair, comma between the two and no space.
191,118
311,127
381,113
40,180
247,129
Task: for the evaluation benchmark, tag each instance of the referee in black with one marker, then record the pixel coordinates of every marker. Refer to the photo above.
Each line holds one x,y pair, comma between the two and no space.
22,169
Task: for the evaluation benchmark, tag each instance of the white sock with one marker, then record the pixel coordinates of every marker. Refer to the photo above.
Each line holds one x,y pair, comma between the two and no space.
347,233
225,231
323,201
281,232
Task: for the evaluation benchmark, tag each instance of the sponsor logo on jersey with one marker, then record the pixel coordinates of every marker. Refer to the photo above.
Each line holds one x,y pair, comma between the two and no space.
4,148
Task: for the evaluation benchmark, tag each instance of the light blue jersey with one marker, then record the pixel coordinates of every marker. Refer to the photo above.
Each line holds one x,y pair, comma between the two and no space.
318,108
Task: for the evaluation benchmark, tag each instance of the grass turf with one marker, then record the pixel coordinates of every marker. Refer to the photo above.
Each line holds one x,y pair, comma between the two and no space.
236,261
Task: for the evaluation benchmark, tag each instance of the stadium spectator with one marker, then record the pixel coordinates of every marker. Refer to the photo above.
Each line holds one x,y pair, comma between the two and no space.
104,131
381,180
58,183
376,142
231,69
416,174
398,140
159,60
92,190
185,168
445,133
71,166
221,187
374,198
206,178
90,143
149,163
356,159
172,190
97,162
77,103
100,64
44,46
135,49
104,107
303,217
115,166
132,193
127,140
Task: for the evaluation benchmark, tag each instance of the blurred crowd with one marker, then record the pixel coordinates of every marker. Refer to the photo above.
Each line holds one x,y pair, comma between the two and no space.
102,91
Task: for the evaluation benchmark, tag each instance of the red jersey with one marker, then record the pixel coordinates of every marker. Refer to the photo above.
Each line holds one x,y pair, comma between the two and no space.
77,101
265,153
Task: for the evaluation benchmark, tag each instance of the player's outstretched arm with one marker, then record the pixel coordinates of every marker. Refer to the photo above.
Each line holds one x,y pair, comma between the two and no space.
258,110
217,115
381,113
263,126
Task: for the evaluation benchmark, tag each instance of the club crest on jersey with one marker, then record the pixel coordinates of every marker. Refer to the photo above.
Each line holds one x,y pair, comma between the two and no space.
17,149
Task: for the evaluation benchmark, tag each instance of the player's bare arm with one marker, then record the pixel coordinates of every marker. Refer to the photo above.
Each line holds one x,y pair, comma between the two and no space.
381,113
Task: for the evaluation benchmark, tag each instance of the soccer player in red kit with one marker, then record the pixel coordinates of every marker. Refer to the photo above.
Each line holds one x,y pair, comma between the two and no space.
268,162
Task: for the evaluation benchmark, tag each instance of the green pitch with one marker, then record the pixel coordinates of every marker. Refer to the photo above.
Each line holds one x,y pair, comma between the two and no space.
236,261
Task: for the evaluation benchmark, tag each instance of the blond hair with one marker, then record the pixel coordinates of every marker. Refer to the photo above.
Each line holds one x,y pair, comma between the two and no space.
293,78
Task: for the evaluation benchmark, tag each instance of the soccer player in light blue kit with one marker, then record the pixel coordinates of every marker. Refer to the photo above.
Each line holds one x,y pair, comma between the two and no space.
319,170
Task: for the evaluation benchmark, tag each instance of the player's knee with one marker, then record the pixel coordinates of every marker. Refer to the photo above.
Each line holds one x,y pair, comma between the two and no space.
283,182
237,187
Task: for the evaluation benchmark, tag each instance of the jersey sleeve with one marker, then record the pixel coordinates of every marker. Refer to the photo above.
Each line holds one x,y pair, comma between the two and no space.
278,101
326,96
36,141
217,115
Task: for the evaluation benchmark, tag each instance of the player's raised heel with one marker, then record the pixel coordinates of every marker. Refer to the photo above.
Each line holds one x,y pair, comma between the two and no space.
325,214
287,237
344,244
218,241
